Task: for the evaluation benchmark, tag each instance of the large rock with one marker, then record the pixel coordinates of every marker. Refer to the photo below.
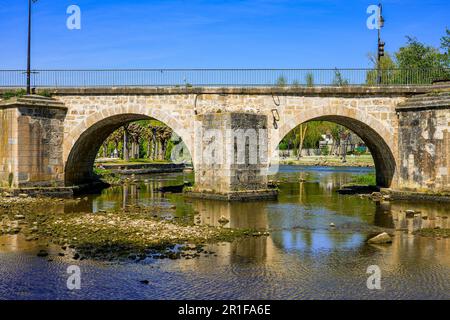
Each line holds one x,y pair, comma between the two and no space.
381,239
376,196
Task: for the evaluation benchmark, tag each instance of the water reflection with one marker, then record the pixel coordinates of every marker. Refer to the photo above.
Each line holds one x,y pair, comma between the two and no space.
412,217
304,257
300,220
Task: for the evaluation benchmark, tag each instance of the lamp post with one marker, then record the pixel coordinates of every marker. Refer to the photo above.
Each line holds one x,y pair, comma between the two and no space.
29,48
380,43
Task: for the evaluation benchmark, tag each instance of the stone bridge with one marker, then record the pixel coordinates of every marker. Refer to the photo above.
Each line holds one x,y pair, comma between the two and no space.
53,142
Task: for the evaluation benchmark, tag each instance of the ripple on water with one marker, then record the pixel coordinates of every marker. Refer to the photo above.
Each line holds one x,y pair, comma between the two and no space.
302,258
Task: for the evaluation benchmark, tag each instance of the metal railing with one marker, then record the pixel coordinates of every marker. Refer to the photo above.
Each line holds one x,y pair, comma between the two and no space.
219,77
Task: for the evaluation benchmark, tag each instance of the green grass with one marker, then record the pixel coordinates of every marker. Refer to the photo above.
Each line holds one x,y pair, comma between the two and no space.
11,94
21,92
365,179
133,161
101,172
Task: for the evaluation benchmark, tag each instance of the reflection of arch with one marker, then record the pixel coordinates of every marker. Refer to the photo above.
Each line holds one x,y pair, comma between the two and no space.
378,138
82,143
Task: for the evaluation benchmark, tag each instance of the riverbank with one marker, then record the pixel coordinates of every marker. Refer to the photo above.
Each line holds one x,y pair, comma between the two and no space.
143,168
134,233
330,161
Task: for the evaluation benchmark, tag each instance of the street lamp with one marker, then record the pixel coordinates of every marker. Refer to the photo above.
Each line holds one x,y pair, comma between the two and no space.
29,48
380,43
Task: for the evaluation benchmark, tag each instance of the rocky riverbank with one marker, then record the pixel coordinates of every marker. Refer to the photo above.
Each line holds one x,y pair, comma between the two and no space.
132,233
437,233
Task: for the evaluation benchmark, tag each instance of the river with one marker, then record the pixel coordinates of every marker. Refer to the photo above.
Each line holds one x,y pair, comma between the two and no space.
303,258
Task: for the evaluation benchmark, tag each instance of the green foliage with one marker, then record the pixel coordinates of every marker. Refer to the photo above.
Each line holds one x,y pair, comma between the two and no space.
325,151
365,179
309,79
360,151
295,83
10,179
445,45
445,42
416,55
339,80
389,74
11,94
170,146
152,138
45,93
414,63
101,172
281,81
283,145
313,136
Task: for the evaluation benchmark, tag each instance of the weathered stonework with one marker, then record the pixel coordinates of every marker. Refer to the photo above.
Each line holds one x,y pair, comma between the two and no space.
424,142
370,114
92,114
231,156
32,138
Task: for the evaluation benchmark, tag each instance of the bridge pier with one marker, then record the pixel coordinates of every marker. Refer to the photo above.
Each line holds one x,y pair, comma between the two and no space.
231,157
424,144
32,133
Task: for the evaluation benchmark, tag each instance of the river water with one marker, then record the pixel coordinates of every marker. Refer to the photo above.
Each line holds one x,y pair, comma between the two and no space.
303,258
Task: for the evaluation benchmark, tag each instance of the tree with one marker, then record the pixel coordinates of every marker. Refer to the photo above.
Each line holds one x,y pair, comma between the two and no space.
164,133
281,81
416,55
302,129
116,137
135,131
414,63
421,64
445,41
339,80
445,45
147,134
125,151
388,70
309,79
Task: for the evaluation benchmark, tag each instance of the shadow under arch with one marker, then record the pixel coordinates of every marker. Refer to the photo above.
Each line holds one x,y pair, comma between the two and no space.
383,157
81,158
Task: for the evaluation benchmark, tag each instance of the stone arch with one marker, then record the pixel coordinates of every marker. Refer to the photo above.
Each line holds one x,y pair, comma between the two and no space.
82,143
379,138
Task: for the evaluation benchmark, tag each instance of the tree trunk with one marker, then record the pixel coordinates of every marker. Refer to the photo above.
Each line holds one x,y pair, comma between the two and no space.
137,149
163,149
154,146
105,149
126,154
158,149
302,139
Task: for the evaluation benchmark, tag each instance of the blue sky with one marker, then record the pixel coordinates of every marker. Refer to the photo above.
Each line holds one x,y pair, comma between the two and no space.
212,34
